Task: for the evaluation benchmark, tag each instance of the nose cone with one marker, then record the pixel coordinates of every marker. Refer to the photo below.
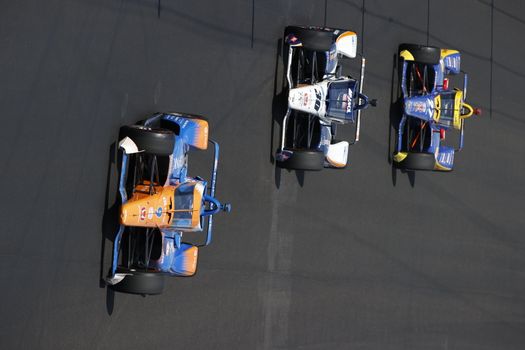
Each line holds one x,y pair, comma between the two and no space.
133,214
306,99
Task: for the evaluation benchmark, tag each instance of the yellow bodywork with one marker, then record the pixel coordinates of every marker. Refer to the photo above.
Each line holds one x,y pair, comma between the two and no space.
447,52
437,108
440,167
459,105
400,156
406,55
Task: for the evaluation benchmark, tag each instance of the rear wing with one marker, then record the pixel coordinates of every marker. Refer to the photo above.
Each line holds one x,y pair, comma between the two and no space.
358,118
214,206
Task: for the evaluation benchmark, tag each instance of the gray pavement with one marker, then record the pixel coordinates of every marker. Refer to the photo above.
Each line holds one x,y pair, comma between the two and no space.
362,258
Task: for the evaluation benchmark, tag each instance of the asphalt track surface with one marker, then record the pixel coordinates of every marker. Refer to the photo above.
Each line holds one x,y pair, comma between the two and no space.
361,258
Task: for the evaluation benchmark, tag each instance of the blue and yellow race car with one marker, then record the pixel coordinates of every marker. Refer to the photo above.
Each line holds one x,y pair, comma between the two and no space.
430,108
162,207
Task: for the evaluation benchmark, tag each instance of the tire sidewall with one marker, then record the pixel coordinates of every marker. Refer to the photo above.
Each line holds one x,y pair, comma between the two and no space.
313,38
301,159
423,54
150,283
150,140
418,161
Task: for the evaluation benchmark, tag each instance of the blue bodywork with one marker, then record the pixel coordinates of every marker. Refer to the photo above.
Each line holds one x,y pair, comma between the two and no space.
172,257
341,101
331,60
422,106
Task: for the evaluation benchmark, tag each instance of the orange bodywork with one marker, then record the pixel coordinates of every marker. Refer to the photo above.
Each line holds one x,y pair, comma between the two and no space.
201,137
345,34
189,265
158,209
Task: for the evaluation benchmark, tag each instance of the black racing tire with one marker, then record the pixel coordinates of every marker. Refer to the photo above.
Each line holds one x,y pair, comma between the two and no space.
418,161
304,159
313,38
146,283
152,140
423,54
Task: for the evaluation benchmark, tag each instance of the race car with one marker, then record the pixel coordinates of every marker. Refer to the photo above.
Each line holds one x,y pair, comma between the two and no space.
161,204
431,108
319,98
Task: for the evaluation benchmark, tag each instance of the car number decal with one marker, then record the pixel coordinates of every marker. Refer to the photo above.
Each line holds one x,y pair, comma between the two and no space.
317,100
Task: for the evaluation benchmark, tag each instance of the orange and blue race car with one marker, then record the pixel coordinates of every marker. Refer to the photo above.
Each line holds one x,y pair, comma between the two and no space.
161,205
430,108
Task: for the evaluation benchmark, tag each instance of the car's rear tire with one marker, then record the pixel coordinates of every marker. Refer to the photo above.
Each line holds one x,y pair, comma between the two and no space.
423,54
312,38
148,283
418,161
151,140
303,159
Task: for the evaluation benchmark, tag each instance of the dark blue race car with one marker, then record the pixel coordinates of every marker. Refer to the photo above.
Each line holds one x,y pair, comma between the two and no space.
431,108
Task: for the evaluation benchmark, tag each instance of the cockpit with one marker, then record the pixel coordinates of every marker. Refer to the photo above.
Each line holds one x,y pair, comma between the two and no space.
340,100
188,201
450,108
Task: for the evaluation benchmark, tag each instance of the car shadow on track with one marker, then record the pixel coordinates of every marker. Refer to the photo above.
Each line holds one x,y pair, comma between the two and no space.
110,223
279,107
395,114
